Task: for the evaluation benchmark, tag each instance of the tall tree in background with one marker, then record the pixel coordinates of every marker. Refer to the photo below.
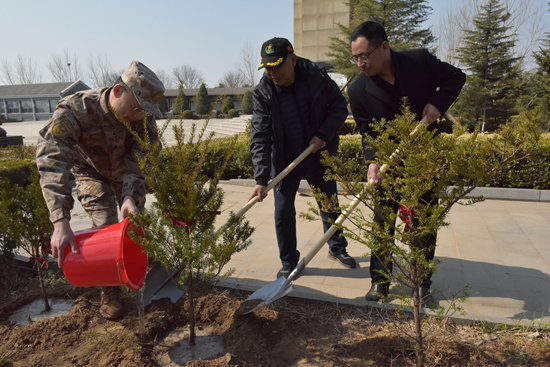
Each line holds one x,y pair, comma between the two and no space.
246,105
101,73
188,76
24,72
249,65
165,78
202,103
541,79
402,20
493,83
65,68
232,79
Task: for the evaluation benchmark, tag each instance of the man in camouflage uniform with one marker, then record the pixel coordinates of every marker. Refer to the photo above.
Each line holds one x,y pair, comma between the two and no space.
85,136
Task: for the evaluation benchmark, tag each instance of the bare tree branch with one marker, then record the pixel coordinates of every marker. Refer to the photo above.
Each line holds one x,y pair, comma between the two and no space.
24,72
6,73
523,16
101,72
188,77
64,68
232,79
165,79
249,64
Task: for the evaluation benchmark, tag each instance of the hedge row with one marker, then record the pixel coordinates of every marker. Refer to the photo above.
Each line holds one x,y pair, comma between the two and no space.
17,163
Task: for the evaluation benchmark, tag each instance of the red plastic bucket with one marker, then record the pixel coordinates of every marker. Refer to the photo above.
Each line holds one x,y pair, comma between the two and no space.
108,257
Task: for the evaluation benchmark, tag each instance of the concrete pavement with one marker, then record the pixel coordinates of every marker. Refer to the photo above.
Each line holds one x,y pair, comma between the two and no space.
501,247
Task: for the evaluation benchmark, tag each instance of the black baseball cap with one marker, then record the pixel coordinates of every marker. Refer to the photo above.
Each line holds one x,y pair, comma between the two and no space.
274,52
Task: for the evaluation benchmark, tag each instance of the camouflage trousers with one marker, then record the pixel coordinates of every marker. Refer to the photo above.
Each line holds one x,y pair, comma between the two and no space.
100,198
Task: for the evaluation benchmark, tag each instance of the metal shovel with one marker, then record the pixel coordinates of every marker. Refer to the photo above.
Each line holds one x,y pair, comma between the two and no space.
283,286
159,282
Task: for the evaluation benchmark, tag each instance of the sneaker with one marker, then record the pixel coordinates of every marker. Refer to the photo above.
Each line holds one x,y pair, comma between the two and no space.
344,259
111,307
285,271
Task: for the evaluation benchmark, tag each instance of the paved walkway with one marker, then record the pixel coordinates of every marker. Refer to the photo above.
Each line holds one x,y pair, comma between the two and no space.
499,247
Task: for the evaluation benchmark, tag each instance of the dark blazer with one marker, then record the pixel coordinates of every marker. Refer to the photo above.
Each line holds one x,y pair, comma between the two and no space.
419,75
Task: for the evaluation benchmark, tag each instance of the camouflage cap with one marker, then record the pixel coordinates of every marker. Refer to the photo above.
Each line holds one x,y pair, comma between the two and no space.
146,86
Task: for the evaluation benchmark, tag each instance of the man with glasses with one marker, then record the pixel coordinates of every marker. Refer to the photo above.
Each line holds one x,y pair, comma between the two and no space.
430,87
87,137
295,105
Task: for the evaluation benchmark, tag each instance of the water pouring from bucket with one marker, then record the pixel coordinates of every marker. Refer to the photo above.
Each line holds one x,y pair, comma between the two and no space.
107,257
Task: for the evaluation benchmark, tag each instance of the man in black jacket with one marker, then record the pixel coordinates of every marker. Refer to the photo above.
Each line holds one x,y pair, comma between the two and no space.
295,105
430,87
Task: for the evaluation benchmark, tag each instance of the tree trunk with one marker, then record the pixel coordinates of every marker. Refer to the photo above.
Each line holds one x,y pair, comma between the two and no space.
191,295
47,307
417,316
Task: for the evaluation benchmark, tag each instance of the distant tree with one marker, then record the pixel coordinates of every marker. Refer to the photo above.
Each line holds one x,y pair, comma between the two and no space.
232,79
250,59
402,20
525,17
182,102
246,105
541,79
65,68
493,81
24,72
25,219
101,73
188,76
165,78
202,103
227,105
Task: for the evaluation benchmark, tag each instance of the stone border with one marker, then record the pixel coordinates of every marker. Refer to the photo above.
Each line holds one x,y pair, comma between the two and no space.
488,193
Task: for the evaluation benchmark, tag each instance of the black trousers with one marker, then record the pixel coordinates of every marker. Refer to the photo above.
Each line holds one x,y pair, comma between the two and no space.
381,264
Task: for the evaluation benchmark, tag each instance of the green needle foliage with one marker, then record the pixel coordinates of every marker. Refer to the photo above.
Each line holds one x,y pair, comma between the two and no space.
180,224
449,165
24,219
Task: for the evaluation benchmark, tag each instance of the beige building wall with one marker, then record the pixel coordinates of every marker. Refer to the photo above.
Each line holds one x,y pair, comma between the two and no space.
315,22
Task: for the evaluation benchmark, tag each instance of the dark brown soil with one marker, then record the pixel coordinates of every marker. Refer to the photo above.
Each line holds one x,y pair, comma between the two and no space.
289,332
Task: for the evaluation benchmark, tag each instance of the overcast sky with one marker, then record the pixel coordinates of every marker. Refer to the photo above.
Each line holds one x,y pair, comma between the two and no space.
208,35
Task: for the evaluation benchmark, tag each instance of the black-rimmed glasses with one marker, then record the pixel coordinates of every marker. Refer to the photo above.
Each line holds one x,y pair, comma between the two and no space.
363,58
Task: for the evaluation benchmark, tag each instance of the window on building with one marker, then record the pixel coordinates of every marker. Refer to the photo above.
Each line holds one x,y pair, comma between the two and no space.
53,104
2,109
42,105
13,106
26,106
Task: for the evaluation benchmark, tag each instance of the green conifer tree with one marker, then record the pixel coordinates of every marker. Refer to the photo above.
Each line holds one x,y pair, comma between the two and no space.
493,72
402,20
541,80
227,105
180,224
202,103
419,162
247,103
182,102
25,220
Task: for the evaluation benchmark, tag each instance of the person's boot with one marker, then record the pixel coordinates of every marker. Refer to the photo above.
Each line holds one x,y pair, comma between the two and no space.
426,298
378,292
111,306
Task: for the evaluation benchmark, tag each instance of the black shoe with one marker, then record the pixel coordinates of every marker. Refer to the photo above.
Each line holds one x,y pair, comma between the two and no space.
344,258
426,298
377,292
285,271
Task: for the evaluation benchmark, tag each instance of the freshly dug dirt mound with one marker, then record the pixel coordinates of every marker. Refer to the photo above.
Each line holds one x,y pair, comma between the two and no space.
290,332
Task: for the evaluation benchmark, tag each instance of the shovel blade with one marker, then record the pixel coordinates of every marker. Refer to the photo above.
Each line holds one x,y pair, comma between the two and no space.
158,284
269,293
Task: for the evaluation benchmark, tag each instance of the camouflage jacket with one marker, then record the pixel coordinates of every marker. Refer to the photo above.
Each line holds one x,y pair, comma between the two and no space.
83,131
